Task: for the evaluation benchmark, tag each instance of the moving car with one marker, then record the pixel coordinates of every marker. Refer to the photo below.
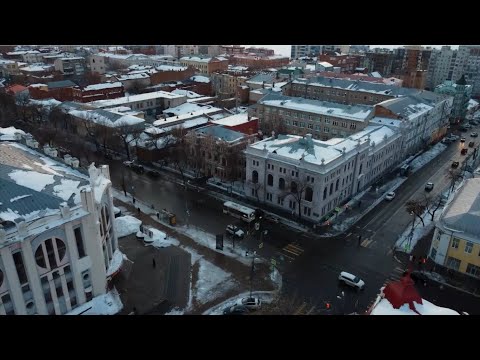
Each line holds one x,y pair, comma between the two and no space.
235,231
429,186
464,151
474,134
351,280
390,196
455,164
236,310
462,139
471,144
251,303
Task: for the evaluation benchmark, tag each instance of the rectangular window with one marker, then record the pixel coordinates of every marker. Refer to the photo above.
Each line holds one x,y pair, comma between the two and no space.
327,121
280,201
453,263
295,123
19,264
326,129
79,240
455,243
473,270
310,126
317,128
302,124
468,247
268,166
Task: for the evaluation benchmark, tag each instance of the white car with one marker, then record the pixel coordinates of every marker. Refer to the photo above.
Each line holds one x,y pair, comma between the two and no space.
351,280
390,196
235,231
251,303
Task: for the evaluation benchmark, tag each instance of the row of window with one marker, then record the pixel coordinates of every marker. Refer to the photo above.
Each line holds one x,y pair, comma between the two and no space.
468,246
454,263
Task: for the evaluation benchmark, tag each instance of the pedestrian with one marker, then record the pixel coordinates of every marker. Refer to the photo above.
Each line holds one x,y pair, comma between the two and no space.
134,200
359,239
153,207
154,263
359,203
138,210
158,215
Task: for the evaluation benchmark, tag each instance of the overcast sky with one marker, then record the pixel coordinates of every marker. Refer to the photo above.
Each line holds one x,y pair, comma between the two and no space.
286,49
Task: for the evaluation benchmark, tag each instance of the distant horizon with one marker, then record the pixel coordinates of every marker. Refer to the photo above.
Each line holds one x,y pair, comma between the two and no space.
286,49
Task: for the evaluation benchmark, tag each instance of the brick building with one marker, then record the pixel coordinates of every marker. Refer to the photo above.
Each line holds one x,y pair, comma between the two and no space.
259,62
242,122
205,65
165,73
346,63
98,92
58,90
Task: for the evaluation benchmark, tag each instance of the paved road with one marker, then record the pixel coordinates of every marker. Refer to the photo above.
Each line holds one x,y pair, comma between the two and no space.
310,266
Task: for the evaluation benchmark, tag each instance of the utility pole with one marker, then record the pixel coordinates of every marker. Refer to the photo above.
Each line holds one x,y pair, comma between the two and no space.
252,273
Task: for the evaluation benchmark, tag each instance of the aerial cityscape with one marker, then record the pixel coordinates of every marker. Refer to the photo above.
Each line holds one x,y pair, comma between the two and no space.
239,180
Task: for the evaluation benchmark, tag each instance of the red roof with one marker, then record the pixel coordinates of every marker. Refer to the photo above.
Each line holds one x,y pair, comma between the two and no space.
16,88
402,292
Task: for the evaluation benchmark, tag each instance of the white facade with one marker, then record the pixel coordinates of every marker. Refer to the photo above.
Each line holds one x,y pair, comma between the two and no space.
326,173
52,263
97,64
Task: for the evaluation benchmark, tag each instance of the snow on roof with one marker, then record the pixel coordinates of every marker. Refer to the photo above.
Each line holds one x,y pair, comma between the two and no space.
106,304
325,64
11,131
233,120
188,108
107,117
126,225
133,98
196,58
170,68
133,76
33,68
72,58
221,133
199,78
351,112
46,102
463,212
471,104
385,121
183,116
102,86
37,85
187,93
384,307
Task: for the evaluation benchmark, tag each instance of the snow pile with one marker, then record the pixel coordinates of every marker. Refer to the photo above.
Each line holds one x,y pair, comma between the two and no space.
427,156
116,263
384,307
199,78
212,282
407,241
107,304
9,134
31,179
161,240
267,297
126,225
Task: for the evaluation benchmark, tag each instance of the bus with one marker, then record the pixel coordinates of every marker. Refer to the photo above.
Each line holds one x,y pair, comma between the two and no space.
239,211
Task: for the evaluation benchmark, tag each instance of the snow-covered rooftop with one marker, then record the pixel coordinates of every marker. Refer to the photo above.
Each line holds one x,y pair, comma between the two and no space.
187,93
134,98
384,307
107,117
196,59
350,112
199,78
102,86
37,67
133,76
233,120
170,68
189,108
325,64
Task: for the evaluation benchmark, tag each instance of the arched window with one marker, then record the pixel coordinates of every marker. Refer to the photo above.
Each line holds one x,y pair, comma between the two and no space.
336,184
331,188
308,194
325,193
254,176
281,183
293,187
270,180
49,251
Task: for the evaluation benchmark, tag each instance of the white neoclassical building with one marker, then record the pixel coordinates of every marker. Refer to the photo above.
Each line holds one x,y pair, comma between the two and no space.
311,177
57,239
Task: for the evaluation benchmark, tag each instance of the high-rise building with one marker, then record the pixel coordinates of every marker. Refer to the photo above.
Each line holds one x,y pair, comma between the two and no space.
467,63
305,50
440,67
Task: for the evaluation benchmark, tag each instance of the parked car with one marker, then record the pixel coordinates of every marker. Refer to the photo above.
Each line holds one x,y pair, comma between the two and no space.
455,164
153,173
462,139
423,276
474,134
139,169
446,140
390,196
236,310
251,303
235,231
351,280
128,163
471,144
429,186
464,151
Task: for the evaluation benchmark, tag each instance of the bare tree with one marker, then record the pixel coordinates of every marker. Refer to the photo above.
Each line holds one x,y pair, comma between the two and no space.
299,189
417,207
137,87
178,153
233,157
22,101
275,123
432,204
454,175
128,134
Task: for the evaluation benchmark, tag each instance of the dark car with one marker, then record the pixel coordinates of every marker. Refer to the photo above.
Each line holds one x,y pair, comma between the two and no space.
139,169
464,151
471,144
429,186
236,310
418,276
153,173
474,134
455,164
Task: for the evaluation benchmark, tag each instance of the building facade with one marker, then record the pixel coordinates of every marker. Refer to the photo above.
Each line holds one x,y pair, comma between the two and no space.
468,63
440,67
55,258
256,62
299,51
456,240
461,93
311,178
324,120
381,62
205,65
71,66
98,92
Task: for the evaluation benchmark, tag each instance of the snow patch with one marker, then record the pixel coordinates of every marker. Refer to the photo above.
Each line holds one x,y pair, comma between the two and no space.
16,198
175,312
212,282
66,188
31,179
106,304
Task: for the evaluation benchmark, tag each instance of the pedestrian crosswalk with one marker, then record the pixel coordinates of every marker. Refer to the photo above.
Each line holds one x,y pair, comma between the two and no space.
395,275
292,251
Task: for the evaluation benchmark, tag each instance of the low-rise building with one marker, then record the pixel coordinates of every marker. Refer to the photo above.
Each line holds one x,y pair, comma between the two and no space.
58,246
165,73
312,177
133,81
456,240
58,90
98,92
205,65
71,66
257,62
239,122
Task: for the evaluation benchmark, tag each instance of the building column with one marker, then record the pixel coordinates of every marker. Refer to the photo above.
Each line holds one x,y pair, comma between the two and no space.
73,256
34,279
11,277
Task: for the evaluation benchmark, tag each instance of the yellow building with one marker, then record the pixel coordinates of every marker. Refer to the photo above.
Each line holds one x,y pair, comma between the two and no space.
456,241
